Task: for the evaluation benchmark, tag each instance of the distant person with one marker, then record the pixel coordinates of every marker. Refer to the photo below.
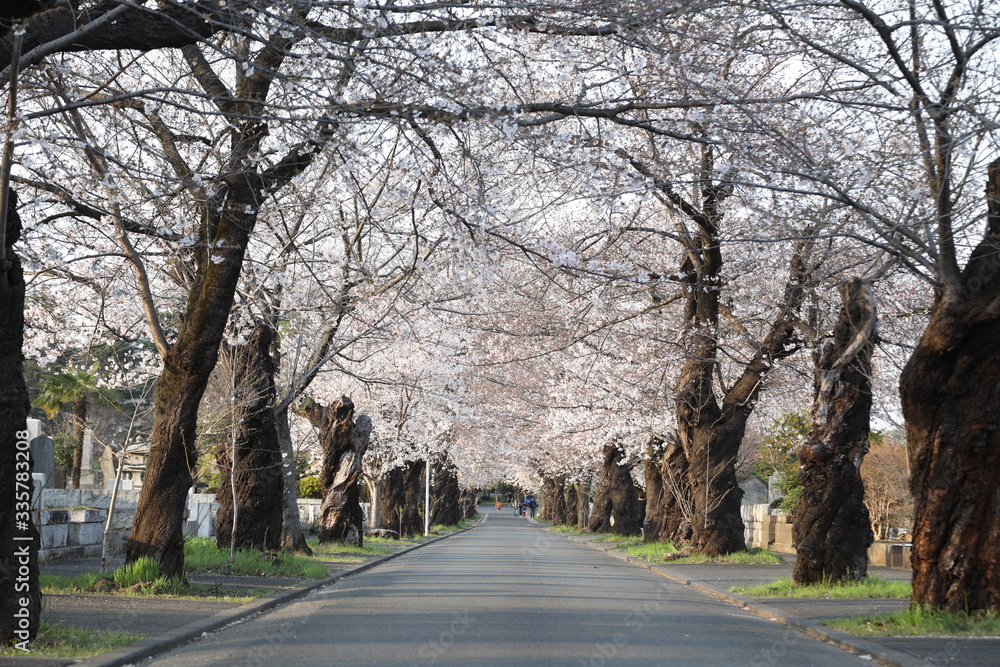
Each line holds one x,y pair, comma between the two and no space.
532,506
499,505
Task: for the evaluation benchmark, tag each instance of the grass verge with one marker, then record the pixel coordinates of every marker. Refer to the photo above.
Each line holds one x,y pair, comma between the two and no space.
140,579
201,555
57,641
653,552
872,587
921,621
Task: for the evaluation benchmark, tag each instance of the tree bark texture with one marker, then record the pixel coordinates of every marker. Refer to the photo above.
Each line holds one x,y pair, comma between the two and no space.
950,391
446,495
292,538
141,30
669,506
553,505
20,596
653,522
617,497
571,500
560,511
402,498
831,528
254,438
344,442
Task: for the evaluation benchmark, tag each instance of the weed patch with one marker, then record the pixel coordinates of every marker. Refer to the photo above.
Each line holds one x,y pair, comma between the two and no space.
872,587
921,621
201,555
57,641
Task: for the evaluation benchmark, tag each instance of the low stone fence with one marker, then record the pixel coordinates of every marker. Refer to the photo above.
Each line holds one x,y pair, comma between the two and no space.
767,529
772,529
71,521
73,533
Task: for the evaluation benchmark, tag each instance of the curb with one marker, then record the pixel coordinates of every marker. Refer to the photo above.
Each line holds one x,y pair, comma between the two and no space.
152,646
882,655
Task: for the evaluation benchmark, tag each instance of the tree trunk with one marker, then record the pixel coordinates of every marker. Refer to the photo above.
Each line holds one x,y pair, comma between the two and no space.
20,597
258,454
446,494
571,502
553,505
831,527
617,497
79,438
950,391
227,221
292,538
402,497
559,512
344,442
652,524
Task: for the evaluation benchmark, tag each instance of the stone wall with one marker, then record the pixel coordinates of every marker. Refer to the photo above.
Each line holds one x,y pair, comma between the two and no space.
767,529
772,530
72,520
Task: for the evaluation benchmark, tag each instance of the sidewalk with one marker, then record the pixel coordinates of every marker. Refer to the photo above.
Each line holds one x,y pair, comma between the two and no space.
801,614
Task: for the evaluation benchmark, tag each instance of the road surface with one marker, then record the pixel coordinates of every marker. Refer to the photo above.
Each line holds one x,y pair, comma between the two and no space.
507,593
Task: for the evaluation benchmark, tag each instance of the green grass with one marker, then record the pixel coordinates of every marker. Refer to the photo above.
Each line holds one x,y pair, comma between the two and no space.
751,557
605,537
921,621
201,555
650,551
126,582
872,587
57,641
566,529
139,578
348,554
653,552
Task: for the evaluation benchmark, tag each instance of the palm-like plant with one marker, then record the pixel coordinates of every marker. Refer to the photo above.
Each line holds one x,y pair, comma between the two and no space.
73,387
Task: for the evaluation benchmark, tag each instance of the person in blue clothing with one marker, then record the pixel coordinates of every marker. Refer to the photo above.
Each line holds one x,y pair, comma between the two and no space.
532,506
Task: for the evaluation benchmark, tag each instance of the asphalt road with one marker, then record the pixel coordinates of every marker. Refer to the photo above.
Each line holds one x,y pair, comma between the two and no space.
508,593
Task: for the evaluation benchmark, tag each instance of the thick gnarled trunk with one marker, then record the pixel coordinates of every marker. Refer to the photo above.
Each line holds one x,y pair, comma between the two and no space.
553,505
831,527
344,442
446,495
950,390
402,497
616,506
669,506
20,597
254,439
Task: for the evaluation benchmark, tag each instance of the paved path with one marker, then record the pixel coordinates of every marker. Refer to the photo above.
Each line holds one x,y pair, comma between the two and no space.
508,593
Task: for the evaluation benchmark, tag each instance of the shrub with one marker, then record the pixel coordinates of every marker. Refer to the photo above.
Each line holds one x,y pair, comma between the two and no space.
310,487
